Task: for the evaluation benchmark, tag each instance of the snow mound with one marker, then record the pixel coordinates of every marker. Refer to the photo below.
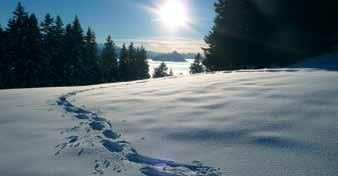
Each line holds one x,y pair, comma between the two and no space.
246,122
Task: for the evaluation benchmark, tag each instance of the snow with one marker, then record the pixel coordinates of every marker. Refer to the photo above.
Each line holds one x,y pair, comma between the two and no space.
247,122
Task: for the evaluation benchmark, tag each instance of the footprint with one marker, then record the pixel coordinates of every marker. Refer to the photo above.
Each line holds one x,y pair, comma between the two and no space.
72,139
110,134
112,146
96,125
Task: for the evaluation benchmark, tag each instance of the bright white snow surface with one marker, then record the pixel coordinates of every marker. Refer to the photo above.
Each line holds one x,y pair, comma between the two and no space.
252,122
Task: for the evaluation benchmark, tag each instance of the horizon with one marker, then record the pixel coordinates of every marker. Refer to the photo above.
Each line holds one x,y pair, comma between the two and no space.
154,35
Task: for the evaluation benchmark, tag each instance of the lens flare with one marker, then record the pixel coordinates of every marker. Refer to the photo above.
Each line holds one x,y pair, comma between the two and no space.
173,14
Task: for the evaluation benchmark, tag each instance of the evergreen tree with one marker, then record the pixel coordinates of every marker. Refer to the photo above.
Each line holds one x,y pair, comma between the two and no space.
236,37
161,71
59,30
2,57
108,62
132,65
15,55
48,45
74,47
48,54
197,66
171,73
47,28
68,49
25,65
142,67
58,59
247,35
89,65
35,69
77,53
123,64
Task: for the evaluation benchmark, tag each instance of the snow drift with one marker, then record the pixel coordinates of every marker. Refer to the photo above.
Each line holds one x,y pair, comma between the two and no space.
246,122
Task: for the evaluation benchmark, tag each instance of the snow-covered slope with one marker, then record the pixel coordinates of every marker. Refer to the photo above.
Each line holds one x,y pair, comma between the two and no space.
250,122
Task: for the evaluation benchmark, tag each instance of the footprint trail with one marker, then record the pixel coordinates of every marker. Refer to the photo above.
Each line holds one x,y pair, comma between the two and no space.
95,134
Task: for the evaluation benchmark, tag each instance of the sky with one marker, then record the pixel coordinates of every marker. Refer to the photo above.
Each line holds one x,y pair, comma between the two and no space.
137,21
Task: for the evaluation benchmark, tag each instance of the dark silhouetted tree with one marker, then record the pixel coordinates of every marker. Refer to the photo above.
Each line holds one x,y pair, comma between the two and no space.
48,54
67,49
171,72
16,46
58,58
90,67
197,65
132,65
2,57
35,71
161,71
108,62
238,31
256,34
48,45
25,64
74,47
141,64
123,64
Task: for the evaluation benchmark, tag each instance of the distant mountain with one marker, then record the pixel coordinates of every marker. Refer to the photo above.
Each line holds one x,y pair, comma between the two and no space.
172,57
157,56
189,55
151,54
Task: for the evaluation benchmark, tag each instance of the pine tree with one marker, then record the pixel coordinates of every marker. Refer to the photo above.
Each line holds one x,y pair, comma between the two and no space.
171,73
77,52
2,57
36,66
132,65
123,64
48,45
25,65
68,61
108,62
74,47
89,65
142,67
58,60
47,27
246,35
15,44
197,66
161,71
237,37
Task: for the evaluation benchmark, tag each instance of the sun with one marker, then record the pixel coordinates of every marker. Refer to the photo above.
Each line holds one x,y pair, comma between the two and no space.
173,14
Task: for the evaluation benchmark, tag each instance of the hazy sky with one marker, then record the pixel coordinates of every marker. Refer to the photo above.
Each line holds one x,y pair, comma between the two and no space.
127,20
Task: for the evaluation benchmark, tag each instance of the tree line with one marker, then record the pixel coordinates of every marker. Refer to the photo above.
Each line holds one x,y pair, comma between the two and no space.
257,34
49,53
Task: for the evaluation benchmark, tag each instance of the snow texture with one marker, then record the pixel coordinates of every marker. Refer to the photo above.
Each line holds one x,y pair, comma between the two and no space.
246,122
89,128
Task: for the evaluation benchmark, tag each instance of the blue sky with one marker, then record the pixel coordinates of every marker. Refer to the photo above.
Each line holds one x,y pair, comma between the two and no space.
126,20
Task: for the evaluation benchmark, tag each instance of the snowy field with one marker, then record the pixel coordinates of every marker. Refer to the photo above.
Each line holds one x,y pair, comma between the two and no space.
253,122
